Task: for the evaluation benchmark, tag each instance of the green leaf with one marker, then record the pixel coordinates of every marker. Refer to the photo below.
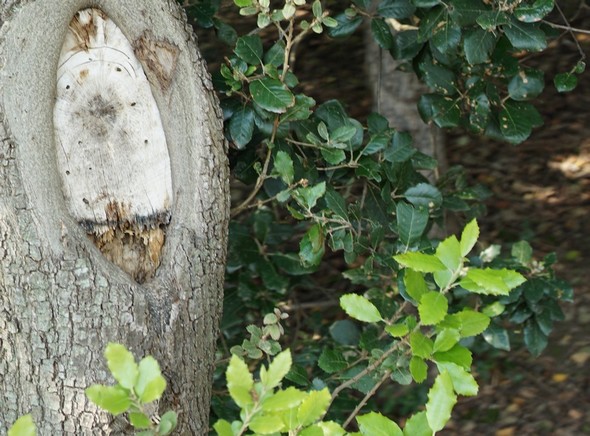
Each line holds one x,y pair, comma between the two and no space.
283,400
406,45
517,120
272,95
424,195
478,45
420,262
527,84
168,422
400,149
417,425
241,126
396,9
301,110
415,284
113,399
534,338
463,381
458,354
433,308
436,75
446,339
421,345
472,323
275,55
491,281
332,361
249,49
497,337
446,37
449,253
411,222
418,369
277,370
266,424
346,26
397,330
336,203
311,247
375,424
492,19
150,384
223,428
283,165
522,252
565,82
360,308
469,237
466,12
139,420
122,365
525,36
531,13
443,111
24,426
441,400
239,382
381,33
345,332
308,197
313,407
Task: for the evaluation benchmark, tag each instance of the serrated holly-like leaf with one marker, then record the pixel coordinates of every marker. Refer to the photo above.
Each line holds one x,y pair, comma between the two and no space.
421,345
313,407
432,308
360,308
272,95
241,126
469,237
283,400
150,384
113,399
122,365
24,426
418,369
463,381
283,165
527,84
411,222
472,322
458,354
420,262
417,425
478,45
249,49
446,339
449,253
415,284
277,370
266,424
239,382
565,82
375,424
441,400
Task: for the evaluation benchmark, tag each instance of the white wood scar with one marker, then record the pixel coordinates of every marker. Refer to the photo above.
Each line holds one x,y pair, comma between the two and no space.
111,148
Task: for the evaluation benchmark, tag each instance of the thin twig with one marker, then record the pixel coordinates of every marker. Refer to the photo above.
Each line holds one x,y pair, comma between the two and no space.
366,398
568,27
259,182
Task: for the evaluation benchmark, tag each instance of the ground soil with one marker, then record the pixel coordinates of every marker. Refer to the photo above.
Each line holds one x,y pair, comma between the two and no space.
541,192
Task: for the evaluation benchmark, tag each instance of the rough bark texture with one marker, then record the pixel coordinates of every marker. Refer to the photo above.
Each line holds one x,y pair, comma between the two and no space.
61,302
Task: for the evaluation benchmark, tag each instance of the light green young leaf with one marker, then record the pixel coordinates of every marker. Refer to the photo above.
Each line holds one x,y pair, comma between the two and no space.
313,407
463,382
487,281
420,262
417,425
277,370
122,365
139,420
375,424
458,354
223,428
331,428
420,345
397,330
239,382
266,424
168,423
449,253
283,400
418,369
415,284
441,400
284,167
24,426
472,323
113,399
469,237
150,384
432,308
360,308
446,339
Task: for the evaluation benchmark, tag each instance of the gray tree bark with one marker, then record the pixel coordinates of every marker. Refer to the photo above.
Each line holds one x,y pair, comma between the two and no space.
61,301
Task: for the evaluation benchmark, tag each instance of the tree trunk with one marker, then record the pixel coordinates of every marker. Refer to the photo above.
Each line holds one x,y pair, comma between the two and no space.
61,300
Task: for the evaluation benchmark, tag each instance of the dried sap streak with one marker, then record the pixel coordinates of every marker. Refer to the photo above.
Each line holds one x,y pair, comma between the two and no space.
111,148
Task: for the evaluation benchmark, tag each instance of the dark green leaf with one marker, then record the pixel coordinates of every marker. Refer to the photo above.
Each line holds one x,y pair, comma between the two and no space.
517,120
478,45
275,55
534,338
480,113
527,84
272,95
301,110
336,203
430,22
406,44
396,9
531,13
424,195
249,49
400,149
525,36
436,76
466,12
492,19
346,26
446,37
426,3
444,111
226,33
497,337
311,247
411,222
565,82
241,126
331,361
381,32
345,332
